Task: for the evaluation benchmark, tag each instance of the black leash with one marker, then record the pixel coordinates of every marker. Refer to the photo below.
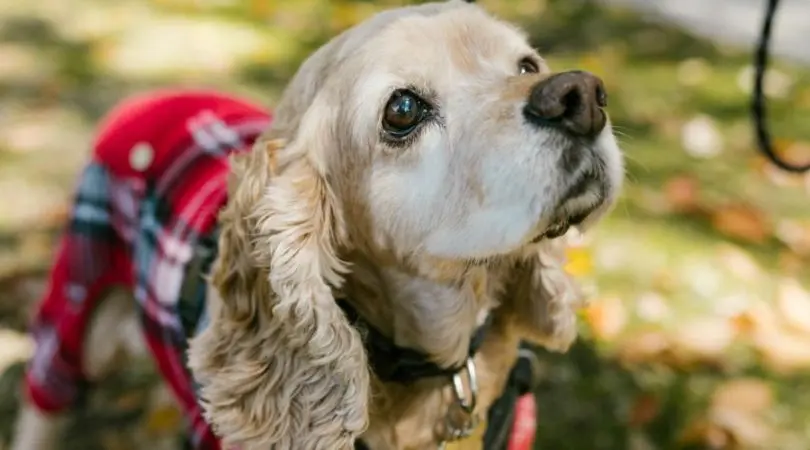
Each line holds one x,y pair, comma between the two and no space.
758,103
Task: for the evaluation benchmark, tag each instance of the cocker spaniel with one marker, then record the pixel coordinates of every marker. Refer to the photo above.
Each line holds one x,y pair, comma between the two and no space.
382,247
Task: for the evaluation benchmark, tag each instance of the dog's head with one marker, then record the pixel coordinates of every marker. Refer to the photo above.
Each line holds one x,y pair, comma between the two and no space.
428,132
448,135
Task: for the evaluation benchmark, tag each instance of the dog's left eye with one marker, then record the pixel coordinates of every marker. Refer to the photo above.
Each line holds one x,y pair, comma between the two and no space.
403,113
526,66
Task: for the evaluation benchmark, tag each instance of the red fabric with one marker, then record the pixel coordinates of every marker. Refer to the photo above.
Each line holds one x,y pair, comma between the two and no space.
524,424
137,228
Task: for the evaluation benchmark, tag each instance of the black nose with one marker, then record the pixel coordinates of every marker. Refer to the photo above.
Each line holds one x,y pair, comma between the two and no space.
572,101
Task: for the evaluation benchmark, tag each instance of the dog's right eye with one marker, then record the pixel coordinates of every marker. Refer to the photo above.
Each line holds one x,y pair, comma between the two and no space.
403,113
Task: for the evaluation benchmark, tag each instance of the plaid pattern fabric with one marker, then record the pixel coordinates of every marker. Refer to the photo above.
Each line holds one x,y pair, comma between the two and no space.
150,193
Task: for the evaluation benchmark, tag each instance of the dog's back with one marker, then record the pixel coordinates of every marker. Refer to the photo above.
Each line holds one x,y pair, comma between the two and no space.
149,194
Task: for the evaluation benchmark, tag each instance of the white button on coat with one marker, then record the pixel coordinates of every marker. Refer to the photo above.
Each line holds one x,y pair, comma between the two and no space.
141,156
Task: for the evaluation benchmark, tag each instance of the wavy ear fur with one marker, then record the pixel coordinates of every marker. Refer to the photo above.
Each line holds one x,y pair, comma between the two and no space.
543,298
279,365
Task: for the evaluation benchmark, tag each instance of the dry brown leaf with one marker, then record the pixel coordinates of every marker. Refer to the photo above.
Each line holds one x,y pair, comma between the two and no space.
744,394
703,339
784,352
781,349
739,262
794,305
644,410
741,222
796,153
643,347
606,317
706,433
794,234
747,430
682,193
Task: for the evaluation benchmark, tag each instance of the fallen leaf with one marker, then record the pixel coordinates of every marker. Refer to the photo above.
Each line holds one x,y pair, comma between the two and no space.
682,193
740,406
703,339
781,350
644,410
794,152
643,347
794,304
747,430
707,434
741,222
606,317
739,262
795,234
743,394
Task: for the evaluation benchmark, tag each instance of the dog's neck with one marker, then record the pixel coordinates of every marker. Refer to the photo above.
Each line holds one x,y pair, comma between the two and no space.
423,308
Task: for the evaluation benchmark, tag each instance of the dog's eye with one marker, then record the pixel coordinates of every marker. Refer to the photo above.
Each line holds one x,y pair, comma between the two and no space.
526,66
404,111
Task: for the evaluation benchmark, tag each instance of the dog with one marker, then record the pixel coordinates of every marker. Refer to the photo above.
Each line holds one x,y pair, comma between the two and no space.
372,254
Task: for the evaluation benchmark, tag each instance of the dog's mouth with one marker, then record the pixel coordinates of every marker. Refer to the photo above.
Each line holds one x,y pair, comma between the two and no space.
560,226
590,186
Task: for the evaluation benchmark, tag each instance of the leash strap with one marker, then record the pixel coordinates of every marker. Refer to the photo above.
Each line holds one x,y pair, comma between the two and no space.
758,104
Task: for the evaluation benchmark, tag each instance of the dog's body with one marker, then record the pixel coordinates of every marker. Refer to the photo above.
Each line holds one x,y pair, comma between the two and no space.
419,170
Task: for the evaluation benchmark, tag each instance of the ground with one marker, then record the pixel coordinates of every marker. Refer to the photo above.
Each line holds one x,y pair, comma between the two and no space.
698,334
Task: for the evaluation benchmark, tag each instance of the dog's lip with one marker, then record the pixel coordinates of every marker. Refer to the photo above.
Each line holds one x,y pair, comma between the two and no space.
559,226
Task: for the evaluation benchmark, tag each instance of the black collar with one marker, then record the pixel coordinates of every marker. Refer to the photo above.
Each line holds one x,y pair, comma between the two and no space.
399,364
389,361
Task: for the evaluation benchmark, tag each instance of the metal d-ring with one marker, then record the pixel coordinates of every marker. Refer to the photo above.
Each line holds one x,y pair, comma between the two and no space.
467,404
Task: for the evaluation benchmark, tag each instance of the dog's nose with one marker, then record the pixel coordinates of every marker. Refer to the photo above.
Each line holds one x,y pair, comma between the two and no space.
572,101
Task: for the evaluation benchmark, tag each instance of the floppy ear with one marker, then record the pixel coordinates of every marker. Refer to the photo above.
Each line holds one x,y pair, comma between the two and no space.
279,366
543,298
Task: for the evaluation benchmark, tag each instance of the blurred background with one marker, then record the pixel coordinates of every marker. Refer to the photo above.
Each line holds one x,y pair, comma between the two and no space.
698,334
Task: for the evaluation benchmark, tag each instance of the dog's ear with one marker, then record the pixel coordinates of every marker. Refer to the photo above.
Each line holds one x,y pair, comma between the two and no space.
543,299
279,366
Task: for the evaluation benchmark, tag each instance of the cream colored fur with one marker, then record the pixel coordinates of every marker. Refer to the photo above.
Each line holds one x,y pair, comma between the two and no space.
425,240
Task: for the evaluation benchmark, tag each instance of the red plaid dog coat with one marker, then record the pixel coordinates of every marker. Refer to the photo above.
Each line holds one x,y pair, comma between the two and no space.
152,189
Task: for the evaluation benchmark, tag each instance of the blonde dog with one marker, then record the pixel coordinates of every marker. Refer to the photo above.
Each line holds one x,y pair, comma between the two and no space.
409,202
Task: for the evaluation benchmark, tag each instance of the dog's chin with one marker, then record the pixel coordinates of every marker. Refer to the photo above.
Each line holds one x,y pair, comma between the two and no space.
586,203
